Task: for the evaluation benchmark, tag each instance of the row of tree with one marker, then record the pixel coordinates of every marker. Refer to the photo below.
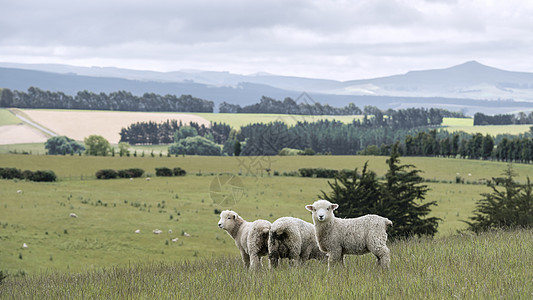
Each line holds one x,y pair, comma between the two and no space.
503,119
118,101
477,146
152,133
309,107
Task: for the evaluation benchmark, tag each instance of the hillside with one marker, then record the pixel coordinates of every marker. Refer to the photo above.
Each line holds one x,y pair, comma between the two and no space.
470,87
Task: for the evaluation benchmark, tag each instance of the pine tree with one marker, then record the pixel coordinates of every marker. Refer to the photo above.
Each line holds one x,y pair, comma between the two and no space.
397,198
355,194
508,207
402,196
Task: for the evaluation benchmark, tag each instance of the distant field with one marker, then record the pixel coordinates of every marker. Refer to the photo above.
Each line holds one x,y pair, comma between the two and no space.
467,125
7,118
238,120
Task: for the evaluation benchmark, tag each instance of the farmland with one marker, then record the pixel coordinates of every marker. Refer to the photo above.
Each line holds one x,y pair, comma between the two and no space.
111,210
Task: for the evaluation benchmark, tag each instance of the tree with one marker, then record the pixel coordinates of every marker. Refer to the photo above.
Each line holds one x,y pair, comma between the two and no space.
97,145
510,206
123,149
63,145
399,198
356,194
403,196
196,145
185,132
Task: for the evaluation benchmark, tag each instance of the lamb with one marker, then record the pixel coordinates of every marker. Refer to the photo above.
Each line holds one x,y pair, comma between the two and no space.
251,238
338,237
294,239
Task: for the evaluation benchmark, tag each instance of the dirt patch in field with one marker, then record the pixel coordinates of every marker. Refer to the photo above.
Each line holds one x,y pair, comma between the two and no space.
20,134
80,124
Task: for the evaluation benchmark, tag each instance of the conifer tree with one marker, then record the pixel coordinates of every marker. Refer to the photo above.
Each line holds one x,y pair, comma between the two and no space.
510,206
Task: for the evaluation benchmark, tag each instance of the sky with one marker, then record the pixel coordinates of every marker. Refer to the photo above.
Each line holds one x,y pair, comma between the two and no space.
330,39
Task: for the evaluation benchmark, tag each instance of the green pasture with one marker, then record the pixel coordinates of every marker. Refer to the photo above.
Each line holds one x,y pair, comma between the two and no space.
238,120
109,211
7,118
467,125
494,265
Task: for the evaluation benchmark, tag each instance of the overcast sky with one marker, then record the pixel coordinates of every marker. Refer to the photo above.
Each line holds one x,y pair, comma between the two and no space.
340,40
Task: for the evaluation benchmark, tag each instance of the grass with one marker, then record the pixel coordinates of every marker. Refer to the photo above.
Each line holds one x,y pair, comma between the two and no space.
467,125
488,266
238,120
7,118
111,210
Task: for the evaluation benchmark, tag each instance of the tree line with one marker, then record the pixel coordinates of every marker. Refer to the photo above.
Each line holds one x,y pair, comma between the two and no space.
503,119
292,107
152,133
118,101
504,148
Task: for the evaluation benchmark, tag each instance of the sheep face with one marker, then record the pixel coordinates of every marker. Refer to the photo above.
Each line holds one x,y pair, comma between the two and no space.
227,220
322,210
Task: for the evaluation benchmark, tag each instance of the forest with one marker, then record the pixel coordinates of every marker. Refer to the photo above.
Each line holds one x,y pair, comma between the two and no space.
117,101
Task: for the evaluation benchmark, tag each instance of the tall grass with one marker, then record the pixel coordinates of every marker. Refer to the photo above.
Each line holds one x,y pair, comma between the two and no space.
495,265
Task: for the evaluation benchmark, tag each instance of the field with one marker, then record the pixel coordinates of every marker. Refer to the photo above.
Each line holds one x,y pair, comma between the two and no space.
495,265
111,210
238,120
7,118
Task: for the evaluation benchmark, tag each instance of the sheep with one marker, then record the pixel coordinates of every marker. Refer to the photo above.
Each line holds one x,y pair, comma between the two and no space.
138,231
73,215
157,231
361,235
251,238
294,239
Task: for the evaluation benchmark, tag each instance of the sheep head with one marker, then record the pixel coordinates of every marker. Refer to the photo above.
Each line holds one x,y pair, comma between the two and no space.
228,220
322,210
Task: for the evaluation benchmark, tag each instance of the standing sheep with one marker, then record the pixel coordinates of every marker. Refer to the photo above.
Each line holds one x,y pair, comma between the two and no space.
294,239
250,237
358,236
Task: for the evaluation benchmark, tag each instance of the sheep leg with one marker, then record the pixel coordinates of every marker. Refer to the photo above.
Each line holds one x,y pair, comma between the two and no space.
245,259
383,256
334,258
255,261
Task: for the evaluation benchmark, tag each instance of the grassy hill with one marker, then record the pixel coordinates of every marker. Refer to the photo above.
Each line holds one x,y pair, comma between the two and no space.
495,265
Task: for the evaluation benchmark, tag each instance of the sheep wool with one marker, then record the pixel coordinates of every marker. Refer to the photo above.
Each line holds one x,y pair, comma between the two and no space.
251,238
358,236
294,239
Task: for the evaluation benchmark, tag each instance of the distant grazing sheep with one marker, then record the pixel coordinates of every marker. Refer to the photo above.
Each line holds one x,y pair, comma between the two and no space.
24,245
20,192
251,238
138,231
147,179
174,240
294,239
338,237
73,215
157,231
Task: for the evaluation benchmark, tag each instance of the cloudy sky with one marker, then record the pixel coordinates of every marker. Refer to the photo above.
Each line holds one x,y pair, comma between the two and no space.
340,40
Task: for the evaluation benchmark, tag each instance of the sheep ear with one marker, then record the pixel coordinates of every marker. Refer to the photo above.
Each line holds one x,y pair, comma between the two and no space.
309,207
334,206
234,217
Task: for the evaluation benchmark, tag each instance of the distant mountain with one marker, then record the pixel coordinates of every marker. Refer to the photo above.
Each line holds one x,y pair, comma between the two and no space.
470,87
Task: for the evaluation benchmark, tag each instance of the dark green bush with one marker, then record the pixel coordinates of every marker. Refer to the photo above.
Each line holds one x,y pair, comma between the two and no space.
130,173
179,172
11,173
106,174
27,174
44,176
164,171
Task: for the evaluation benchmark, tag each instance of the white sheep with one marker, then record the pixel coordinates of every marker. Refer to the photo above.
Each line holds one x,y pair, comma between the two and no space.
294,239
157,231
138,231
338,237
251,238
73,215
